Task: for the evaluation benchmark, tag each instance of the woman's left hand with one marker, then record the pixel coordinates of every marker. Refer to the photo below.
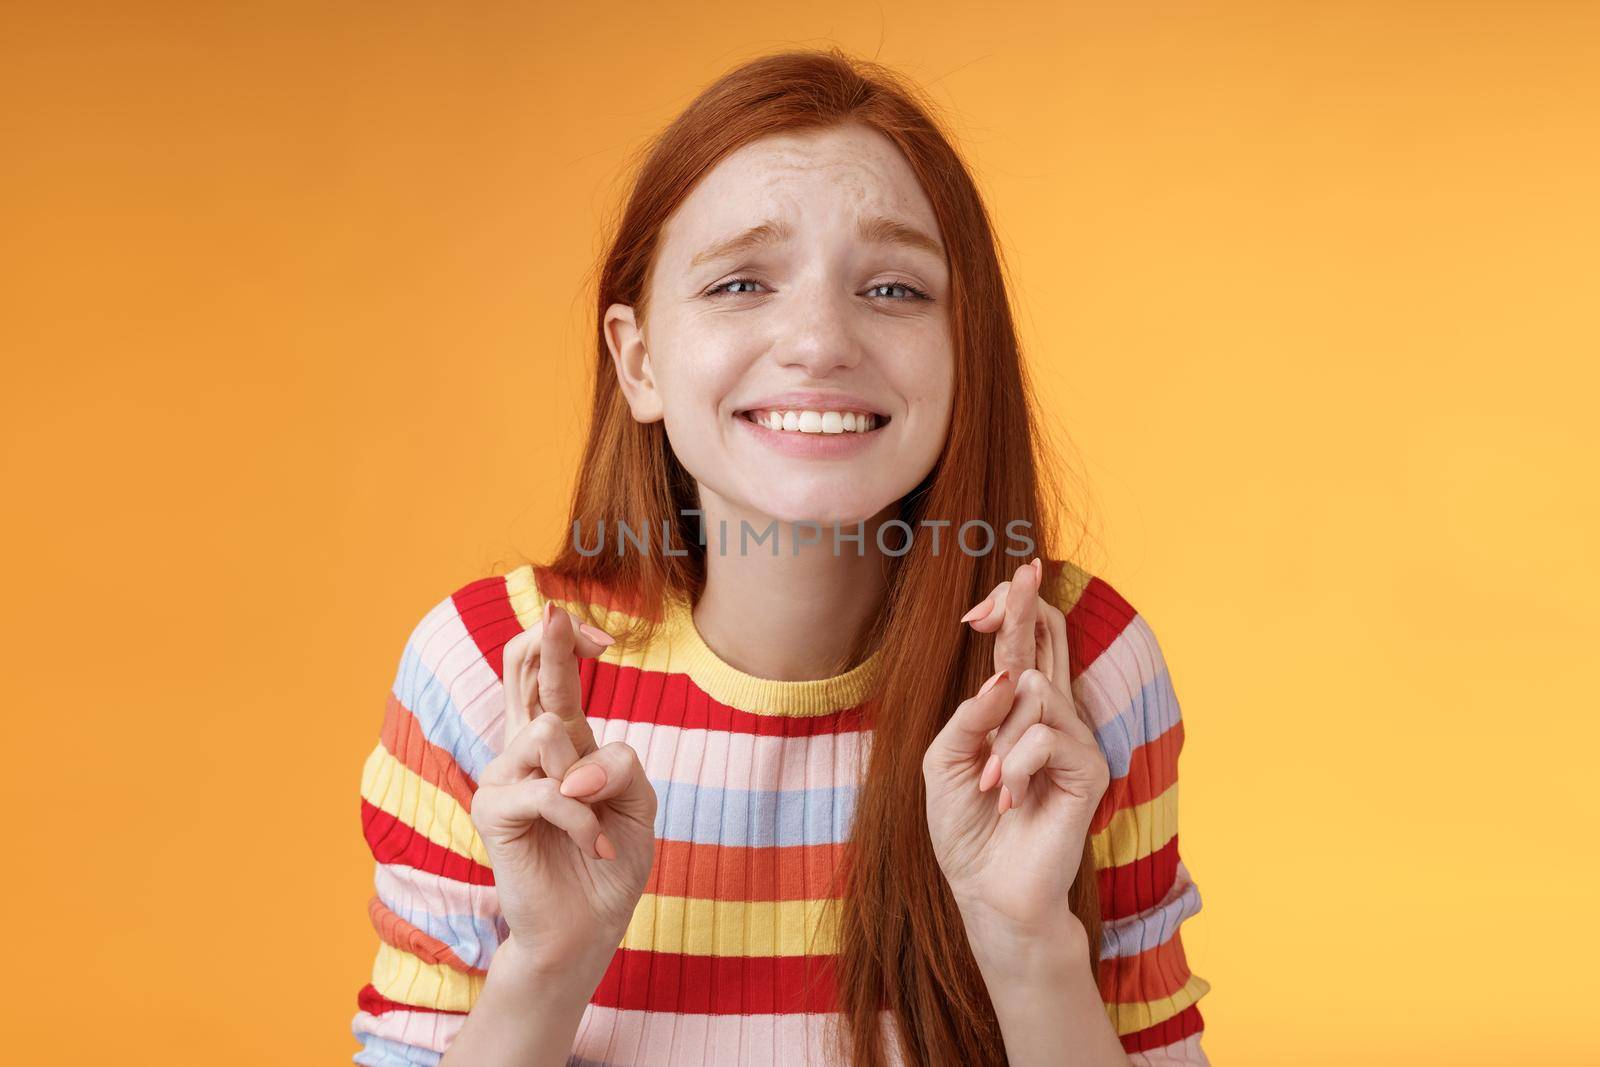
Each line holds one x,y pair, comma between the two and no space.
1011,854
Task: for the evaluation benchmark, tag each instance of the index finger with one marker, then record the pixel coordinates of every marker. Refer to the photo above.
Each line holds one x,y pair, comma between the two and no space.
1016,643
559,687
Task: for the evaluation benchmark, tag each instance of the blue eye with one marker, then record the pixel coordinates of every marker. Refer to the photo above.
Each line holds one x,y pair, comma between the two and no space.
913,290
721,288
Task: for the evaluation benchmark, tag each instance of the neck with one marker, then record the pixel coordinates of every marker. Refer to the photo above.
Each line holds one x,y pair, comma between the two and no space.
791,616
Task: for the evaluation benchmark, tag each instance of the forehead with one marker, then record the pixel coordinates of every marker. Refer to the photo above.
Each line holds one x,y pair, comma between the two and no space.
825,176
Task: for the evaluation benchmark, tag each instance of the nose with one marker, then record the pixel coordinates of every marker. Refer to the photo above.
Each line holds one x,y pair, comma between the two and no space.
817,337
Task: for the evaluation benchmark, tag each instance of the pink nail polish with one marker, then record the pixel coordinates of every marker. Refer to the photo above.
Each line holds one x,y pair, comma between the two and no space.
1038,569
993,681
585,779
979,612
991,773
1005,799
594,633
602,846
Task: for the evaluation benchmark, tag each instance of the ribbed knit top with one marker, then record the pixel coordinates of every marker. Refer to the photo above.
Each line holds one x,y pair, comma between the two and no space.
729,956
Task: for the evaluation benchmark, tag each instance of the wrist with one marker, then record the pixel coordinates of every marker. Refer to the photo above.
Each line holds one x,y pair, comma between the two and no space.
1045,951
570,979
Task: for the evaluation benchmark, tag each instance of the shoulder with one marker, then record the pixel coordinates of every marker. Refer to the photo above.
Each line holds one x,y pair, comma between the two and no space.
1120,680
447,685
1100,620
475,620
450,672
470,623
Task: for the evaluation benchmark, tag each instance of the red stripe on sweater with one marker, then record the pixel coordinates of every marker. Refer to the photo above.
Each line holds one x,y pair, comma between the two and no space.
1167,1032
1130,888
486,612
368,999
628,694
1095,621
642,980
393,841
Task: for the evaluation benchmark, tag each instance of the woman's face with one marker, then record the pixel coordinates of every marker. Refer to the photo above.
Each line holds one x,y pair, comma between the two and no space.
793,268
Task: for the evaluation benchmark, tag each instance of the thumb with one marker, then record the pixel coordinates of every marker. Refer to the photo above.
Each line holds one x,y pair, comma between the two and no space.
964,736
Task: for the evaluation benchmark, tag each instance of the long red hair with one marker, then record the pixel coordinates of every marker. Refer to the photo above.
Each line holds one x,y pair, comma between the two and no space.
902,945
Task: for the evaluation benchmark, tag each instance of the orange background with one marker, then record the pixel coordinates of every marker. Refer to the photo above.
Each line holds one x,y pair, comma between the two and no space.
295,337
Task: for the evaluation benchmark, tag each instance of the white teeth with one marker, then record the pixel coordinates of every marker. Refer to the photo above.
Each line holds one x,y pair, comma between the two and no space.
813,421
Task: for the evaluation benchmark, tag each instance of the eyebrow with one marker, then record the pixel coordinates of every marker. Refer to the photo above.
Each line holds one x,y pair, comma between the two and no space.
875,229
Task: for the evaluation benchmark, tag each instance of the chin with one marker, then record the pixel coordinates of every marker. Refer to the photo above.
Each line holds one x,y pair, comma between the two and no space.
824,513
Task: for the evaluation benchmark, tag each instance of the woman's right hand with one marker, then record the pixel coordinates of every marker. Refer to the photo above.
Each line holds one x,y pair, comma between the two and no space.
569,870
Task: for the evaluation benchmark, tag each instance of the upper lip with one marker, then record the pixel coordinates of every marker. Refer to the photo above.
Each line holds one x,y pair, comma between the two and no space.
813,401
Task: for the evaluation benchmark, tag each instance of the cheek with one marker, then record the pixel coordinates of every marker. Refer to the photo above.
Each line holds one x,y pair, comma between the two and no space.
697,379
928,385
693,396
716,358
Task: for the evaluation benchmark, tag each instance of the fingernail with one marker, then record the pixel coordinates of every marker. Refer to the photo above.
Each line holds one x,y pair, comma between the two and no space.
1005,799
991,771
549,606
994,681
602,845
1038,569
978,612
585,779
594,633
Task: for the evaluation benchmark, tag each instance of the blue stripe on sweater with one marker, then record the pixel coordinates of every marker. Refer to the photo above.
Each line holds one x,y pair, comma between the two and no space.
752,818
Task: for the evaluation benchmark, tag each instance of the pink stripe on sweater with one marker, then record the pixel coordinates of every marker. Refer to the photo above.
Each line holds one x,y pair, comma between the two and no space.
717,757
425,1029
668,1039
439,896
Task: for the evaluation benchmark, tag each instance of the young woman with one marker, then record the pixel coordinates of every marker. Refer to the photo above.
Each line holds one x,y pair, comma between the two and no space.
808,747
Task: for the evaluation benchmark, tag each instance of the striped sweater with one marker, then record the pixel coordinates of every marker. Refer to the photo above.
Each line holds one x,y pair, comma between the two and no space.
728,956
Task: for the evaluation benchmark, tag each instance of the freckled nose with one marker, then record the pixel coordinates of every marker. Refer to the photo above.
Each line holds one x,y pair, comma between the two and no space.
817,337
821,354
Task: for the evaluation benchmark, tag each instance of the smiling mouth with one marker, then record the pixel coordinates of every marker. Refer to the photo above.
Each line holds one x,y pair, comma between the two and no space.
801,421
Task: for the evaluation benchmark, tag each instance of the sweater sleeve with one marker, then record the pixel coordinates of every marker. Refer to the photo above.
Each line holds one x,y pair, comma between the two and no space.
1146,890
434,909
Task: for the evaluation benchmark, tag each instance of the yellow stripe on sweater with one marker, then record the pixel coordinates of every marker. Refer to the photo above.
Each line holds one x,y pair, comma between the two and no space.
1136,832
391,786
523,592
1128,1018
407,979
733,927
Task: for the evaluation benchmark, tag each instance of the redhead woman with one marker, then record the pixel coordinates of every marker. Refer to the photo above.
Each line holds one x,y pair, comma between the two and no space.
809,745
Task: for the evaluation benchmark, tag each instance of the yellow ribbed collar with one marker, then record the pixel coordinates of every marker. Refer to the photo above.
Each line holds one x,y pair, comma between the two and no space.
727,684
679,648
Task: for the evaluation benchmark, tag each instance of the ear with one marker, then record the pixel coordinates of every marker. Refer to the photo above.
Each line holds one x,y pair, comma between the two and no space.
632,363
